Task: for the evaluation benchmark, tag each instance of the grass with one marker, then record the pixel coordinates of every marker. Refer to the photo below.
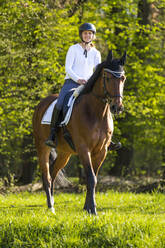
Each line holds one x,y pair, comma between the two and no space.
124,220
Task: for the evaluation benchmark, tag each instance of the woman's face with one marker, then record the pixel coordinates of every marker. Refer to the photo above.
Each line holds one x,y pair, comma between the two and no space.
87,36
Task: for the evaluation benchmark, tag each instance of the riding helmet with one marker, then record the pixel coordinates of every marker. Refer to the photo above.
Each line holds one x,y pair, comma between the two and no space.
86,26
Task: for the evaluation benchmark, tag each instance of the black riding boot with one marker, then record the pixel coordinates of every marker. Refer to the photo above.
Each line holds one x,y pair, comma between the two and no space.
53,128
114,146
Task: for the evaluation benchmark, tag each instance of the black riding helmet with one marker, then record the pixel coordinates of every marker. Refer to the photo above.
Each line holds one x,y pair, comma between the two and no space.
86,26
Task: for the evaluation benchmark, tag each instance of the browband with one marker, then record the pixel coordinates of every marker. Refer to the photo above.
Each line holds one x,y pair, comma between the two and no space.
117,74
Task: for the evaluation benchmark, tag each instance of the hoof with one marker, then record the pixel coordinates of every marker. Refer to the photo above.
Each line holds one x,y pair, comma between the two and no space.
52,210
91,211
50,143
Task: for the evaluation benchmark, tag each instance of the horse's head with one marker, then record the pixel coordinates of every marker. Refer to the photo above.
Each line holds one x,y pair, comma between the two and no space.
114,78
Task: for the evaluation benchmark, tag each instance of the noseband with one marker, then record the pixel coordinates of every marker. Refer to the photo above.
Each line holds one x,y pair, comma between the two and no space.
107,98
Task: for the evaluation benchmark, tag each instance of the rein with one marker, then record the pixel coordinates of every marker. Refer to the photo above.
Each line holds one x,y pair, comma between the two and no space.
107,97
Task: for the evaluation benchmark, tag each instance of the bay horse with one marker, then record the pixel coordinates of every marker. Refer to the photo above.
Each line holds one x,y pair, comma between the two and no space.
90,126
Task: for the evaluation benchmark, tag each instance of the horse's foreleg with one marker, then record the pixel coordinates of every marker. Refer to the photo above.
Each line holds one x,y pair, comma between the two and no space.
90,204
97,160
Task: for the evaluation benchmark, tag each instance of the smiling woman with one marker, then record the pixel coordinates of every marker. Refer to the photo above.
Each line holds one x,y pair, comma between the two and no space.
87,33
87,36
81,60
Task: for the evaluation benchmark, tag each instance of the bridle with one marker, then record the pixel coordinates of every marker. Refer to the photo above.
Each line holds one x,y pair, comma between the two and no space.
107,97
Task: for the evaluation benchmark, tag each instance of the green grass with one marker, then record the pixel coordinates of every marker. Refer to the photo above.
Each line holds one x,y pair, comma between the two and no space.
124,220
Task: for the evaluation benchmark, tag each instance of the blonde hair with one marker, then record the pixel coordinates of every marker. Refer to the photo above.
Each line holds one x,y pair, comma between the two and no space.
94,38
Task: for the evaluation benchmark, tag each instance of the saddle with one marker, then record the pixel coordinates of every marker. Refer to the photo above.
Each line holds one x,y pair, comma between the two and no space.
70,99
68,103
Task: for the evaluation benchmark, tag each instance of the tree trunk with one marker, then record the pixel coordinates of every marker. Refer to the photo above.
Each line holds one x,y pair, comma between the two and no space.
122,162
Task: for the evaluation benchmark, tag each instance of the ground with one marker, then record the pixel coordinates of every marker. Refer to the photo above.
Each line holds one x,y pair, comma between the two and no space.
136,185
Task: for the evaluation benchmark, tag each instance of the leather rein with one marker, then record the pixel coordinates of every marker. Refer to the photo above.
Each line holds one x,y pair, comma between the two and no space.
107,97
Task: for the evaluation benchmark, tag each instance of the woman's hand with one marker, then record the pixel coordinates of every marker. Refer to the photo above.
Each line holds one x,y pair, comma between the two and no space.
81,81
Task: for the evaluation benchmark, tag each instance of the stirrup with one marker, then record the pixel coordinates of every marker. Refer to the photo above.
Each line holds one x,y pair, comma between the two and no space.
52,140
50,143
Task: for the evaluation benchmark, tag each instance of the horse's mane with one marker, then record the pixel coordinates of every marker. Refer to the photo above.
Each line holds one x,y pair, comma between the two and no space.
115,65
91,81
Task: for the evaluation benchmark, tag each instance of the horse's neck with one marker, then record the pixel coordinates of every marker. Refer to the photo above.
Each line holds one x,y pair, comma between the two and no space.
98,87
97,95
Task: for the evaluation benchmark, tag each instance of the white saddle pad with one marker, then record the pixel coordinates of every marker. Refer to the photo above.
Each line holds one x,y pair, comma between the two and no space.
46,119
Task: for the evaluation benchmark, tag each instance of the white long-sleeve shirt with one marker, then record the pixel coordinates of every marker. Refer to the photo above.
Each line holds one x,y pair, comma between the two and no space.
77,66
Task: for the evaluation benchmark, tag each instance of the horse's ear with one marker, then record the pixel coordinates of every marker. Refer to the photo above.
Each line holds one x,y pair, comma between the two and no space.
123,58
110,56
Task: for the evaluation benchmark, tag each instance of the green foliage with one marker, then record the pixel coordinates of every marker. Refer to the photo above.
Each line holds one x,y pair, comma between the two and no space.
124,220
32,65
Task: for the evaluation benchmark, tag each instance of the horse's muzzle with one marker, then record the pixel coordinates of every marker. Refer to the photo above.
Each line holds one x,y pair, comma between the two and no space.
115,109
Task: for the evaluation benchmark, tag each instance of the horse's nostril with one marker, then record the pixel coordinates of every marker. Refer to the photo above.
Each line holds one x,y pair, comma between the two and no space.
113,108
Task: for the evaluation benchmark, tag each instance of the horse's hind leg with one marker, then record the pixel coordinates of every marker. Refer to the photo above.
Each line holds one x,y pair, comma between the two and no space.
43,155
59,163
52,159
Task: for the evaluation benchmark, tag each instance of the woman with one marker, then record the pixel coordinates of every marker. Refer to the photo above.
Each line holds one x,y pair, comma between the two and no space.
81,59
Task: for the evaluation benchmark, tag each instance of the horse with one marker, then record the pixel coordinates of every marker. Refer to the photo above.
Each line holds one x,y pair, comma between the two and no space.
90,128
